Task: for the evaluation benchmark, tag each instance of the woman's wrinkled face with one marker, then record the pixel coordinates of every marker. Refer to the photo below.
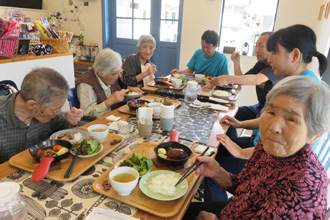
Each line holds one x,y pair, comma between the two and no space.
110,78
46,113
146,50
208,49
281,61
283,128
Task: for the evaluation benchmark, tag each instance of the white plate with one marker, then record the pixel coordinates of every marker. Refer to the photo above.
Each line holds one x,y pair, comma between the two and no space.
88,156
224,94
181,189
72,131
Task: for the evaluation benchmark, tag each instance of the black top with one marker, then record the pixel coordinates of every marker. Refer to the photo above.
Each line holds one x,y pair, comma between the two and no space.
263,89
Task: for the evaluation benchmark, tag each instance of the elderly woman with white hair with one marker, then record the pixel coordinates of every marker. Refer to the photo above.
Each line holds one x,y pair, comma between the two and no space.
98,90
284,178
138,69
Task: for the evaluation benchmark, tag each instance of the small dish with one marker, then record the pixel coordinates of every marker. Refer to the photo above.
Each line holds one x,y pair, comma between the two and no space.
135,104
88,156
128,96
181,189
220,93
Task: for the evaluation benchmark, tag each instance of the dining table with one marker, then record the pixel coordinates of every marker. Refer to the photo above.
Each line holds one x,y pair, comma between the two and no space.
75,198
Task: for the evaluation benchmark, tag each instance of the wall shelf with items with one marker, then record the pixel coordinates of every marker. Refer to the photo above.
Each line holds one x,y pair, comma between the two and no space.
87,52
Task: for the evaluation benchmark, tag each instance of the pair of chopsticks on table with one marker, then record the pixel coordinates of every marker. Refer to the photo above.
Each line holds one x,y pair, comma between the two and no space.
193,167
70,168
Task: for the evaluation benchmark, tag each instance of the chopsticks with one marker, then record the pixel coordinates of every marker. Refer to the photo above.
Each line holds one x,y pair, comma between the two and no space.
191,169
70,168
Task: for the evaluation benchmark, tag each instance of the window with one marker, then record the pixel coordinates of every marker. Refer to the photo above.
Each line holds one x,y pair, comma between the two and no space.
133,18
242,23
169,20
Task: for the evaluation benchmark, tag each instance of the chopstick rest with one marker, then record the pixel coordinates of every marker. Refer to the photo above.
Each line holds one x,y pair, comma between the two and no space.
189,171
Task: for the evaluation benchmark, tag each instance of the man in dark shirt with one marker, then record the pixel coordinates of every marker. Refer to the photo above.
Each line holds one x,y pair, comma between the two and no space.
29,116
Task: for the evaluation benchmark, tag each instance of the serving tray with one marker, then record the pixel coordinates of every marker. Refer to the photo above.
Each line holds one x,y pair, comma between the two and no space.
127,110
25,161
137,198
153,84
232,97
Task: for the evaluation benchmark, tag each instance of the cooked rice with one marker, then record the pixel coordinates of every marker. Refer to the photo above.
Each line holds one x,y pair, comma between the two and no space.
163,184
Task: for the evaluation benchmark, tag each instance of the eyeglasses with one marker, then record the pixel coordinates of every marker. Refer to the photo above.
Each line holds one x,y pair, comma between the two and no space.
210,46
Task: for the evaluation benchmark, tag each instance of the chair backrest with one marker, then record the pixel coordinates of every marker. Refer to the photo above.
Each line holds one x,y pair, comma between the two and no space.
7,87
73,99
9,82
322,149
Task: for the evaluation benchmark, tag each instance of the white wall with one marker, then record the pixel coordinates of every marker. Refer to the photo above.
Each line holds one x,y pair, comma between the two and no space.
86,20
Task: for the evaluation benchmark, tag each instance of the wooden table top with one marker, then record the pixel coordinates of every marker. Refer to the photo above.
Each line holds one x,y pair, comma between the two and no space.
6,168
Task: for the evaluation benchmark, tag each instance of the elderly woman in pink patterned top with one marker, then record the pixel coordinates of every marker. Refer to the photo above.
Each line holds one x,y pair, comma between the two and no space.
284,178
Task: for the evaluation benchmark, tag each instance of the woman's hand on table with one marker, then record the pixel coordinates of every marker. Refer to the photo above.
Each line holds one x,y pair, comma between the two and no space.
203,215
230,121
134,89
74,116
231,146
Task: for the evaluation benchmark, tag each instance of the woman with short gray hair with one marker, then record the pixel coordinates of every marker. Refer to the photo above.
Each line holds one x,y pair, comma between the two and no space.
98,90
138,69
284,178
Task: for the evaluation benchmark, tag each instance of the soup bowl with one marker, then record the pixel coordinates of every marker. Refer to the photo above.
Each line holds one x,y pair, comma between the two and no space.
98,131
124,180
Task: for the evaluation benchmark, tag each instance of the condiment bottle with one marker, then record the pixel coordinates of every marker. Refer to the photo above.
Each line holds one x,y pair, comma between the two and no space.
12,206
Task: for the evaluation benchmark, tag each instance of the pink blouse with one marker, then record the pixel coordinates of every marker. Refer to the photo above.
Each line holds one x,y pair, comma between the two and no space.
279,188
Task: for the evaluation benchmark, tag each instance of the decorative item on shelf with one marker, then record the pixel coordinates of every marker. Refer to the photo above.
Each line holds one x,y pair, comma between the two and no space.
245,49
8,40
81,40
23,46
60,45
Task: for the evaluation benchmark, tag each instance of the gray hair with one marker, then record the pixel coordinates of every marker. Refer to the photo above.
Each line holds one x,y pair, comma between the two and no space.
107,61
313,93
44,85
146,38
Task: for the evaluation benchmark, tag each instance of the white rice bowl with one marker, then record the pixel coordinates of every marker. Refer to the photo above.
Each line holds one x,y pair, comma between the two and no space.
163,184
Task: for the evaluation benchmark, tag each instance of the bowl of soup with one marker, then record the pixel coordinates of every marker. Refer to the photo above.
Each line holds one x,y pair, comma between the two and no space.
123,180
98,131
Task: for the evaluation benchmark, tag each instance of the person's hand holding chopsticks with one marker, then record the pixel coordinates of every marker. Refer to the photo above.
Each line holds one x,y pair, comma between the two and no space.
211,168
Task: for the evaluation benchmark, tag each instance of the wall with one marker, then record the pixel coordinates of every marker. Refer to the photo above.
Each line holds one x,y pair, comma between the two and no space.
85,20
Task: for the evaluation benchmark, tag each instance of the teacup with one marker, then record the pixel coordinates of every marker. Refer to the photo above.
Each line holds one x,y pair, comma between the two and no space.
176,82
156,107
98,131
120,184
199,77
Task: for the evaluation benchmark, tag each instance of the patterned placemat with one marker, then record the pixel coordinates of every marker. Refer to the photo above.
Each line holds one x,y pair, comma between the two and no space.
76,199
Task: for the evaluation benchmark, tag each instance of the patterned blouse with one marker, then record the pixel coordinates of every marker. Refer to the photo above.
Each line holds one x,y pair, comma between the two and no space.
279,188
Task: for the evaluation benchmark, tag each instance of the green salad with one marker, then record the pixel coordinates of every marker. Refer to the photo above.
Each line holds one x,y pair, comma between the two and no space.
87,147
139,162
